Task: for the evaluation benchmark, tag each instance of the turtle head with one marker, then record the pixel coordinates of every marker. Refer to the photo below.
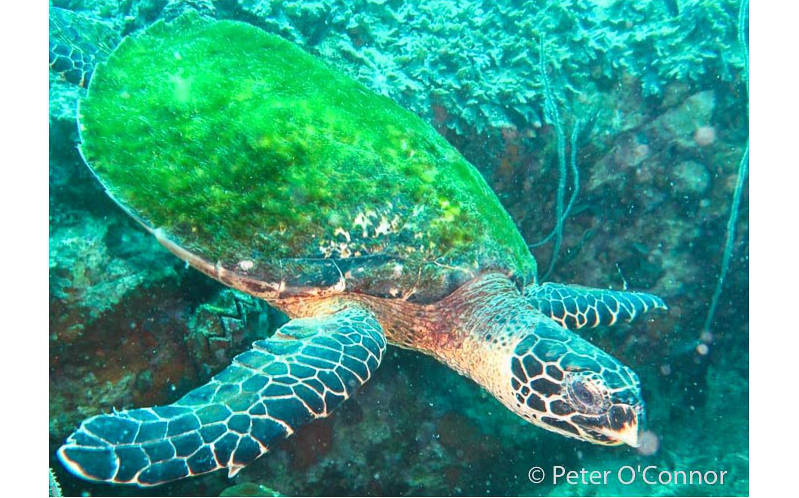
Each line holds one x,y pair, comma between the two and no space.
564,384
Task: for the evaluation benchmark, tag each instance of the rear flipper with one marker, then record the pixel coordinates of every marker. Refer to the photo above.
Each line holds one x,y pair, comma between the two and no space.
300,374
574,306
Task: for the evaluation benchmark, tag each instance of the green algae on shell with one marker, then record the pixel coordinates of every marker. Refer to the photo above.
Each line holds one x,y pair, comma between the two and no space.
257,157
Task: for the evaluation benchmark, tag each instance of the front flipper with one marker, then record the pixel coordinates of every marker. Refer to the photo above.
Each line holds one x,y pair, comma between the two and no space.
300,374
575,307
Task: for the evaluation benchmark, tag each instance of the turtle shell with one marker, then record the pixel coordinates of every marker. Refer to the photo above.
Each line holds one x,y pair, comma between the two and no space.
258,163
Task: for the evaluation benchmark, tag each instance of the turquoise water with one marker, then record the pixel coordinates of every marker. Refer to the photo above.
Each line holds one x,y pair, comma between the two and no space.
627,121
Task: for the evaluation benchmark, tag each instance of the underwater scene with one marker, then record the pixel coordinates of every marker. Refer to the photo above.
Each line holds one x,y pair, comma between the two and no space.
384,247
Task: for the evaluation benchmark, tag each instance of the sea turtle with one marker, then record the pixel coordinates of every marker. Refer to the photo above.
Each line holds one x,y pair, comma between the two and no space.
271,172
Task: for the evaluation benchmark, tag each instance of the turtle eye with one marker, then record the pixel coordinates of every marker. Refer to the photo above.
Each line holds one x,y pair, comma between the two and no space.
587,395
582,393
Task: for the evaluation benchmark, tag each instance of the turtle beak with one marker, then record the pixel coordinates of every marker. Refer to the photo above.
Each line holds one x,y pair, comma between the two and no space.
627,435
622,425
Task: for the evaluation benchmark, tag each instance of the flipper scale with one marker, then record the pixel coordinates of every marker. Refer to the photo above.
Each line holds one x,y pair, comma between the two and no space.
575,307
240,413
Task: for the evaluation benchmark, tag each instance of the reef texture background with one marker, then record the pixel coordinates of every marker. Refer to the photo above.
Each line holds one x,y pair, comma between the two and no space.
657,91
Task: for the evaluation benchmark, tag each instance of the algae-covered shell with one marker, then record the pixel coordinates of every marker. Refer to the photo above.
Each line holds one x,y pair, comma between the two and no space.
273,172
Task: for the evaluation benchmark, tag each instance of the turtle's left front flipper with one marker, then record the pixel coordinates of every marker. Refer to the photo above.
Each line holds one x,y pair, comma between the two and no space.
575,307
308,368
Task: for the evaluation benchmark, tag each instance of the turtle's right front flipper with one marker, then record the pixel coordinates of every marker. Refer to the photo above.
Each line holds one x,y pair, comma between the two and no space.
575,306
78,42
300,374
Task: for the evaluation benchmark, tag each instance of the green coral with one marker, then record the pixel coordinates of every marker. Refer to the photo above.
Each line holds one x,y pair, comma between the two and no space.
242,147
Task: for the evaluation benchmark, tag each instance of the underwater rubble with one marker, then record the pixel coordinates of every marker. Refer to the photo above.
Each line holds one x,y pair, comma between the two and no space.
657,89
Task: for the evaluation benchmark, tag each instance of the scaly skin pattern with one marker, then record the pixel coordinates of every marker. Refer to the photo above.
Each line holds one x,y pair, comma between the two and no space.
302,373
488,331
541,371
261,160
77,43
575,307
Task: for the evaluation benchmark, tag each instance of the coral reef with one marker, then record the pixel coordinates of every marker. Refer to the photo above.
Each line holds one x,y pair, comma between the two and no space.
477,59
472,67
659,91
